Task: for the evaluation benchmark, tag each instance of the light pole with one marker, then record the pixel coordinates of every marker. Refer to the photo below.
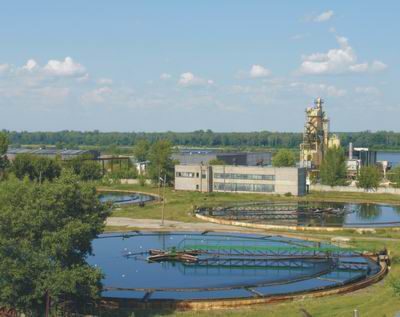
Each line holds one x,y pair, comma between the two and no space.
163,198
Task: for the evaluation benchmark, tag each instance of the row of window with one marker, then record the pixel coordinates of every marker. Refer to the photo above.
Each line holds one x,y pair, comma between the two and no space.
189,174
233,187
243,176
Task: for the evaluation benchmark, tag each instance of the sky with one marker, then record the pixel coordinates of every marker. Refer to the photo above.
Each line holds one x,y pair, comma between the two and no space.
174,65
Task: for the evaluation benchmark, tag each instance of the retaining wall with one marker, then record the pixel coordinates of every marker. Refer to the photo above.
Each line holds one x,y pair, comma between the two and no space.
354,189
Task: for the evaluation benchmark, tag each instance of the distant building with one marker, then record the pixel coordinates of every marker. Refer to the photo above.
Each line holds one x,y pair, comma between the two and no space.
241,179
52,153
230,158
359,157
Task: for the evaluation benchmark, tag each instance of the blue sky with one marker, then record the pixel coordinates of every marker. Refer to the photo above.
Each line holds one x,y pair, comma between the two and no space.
187,65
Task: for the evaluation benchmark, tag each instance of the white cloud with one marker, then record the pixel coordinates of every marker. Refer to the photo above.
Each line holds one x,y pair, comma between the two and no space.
98,95
68,68
165,76
367,90
313,89
188,79
4,68
338,60
299,36
377,66
31,65
258,71
104,81
324,16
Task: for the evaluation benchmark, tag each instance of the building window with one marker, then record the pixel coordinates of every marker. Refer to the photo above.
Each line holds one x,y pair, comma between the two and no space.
197,187
185,174
244,176
238,187
197,175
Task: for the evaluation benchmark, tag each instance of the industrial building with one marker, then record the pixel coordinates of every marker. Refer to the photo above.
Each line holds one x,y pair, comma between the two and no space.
52,153
241,179
192,156
316,138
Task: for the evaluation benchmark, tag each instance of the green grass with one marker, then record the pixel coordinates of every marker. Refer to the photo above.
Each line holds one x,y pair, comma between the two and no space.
379,300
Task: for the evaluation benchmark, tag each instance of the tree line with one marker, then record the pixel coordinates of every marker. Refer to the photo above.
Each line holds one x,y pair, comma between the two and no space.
208,138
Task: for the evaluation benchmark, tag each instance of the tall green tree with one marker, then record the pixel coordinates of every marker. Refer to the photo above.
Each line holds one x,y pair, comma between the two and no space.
369,178
141,150
161,163
46,232
333,170
216,162
284,158
394,176
85,168
3,151
36,167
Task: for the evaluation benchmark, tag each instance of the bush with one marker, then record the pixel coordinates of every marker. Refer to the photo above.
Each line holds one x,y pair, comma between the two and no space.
123,173
369,178
395,284
284,158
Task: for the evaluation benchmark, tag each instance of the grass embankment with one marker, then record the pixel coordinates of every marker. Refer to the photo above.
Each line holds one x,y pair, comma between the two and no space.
379,300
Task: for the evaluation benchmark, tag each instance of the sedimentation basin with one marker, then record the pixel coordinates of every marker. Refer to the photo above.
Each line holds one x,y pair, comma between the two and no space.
229,269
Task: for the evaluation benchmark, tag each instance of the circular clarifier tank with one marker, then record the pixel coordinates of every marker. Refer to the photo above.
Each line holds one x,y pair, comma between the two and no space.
215,266
120,198
308,214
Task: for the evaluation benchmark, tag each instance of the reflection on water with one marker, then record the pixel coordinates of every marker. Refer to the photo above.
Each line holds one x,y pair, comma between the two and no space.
311,214
215,275
124,198
368,211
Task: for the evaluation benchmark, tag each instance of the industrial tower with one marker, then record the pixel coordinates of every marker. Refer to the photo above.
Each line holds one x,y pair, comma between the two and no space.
316,136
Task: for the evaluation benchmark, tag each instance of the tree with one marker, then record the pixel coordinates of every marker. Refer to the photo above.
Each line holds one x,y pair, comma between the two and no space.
36,167
160,161
141,150
3,151
369,178
85,168
394,176
333,169
46,232
284,158
90,171
216,162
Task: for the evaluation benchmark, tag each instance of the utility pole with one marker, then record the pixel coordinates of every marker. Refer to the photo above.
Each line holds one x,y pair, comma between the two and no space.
159,182
163,200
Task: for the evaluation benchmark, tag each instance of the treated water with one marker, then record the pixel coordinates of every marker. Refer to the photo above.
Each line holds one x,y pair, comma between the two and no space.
324,214
124,198
123,259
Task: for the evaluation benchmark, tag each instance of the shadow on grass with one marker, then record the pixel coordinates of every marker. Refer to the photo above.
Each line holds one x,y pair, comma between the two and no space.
132,312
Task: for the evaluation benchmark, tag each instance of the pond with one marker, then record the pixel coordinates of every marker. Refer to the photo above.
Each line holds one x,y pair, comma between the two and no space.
228,266
318,214
120,198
